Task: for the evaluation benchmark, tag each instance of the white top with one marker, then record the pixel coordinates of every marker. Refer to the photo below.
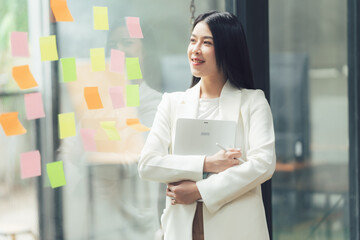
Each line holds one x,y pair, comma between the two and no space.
208,108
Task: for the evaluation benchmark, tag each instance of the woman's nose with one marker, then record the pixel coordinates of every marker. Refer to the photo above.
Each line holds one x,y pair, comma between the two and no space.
197,49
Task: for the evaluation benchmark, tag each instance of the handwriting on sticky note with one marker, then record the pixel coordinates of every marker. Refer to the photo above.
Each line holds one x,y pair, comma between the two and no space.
117,96
23,77
134,29
110,130
92,98
97,56
19,44
11,124
55,171
68,66
67,126
61,11
117,61
133,69
88,139
48,48
101,21
30,164
132,95
34,106
135,124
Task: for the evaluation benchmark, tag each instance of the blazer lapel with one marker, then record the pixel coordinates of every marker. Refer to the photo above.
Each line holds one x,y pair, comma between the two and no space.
230,100
188,106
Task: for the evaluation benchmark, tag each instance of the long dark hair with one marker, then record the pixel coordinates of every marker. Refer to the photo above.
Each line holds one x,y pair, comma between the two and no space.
231,50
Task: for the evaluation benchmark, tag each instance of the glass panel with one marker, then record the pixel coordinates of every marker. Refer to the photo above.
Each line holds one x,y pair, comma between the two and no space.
104,198
18,199
308,81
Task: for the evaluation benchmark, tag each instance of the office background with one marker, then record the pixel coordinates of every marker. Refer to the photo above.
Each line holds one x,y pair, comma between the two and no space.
304,56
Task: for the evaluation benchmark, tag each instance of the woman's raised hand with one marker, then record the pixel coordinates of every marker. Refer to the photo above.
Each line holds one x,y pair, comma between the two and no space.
222,160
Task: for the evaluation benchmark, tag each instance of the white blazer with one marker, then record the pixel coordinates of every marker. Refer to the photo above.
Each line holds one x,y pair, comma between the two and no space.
233,207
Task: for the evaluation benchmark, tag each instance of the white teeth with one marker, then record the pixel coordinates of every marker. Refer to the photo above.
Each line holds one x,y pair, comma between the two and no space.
197,61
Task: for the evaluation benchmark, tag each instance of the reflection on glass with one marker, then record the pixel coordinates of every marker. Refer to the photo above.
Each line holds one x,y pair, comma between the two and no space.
309,103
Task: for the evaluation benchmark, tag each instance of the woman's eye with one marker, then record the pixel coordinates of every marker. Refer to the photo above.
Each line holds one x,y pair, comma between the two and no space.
207,42
192,40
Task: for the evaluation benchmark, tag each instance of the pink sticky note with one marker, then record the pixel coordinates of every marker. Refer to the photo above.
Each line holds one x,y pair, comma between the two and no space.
30,163
34,106
19,44
117,96
133,25
88,138
117,61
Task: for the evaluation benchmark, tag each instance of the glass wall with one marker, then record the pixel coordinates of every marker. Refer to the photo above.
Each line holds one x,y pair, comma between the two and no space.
308,82
104,198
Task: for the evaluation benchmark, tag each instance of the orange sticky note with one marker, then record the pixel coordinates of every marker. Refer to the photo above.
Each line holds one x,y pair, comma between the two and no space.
92,98
61,11
135,124
11,124
23,77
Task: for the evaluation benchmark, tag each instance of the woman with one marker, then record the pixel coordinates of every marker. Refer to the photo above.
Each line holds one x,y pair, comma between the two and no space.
228,204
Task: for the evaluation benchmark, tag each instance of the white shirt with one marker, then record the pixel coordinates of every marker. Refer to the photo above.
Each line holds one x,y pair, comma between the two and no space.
208,108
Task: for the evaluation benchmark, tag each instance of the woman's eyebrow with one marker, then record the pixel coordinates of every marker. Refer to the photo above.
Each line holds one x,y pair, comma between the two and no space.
203,36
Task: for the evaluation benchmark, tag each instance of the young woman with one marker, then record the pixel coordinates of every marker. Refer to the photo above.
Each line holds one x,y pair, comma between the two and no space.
228,204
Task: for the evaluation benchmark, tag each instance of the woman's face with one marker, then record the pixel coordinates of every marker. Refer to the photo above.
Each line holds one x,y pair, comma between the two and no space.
201,52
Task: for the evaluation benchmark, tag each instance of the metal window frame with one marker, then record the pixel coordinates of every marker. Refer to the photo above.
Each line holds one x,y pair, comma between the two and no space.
353,34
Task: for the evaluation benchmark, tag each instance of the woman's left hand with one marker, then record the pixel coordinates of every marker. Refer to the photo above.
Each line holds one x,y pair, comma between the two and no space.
183,192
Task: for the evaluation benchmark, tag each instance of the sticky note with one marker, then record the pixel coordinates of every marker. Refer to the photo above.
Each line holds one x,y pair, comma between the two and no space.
117,96
61,11
68,66
117,61
34,106
88,139
135,124
24,77
132,95
48,48
67,125
19,44
110,129
101,21
55,171
30,164
92,98
133,68
134,29
97,56
11,124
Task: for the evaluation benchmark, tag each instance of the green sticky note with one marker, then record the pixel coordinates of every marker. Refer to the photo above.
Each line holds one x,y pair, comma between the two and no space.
101,21
55,171
48,48
68,69
133,68
97,56
110,129
67,125
132,95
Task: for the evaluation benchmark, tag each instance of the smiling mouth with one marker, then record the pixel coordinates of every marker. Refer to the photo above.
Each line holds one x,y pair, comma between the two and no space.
197,61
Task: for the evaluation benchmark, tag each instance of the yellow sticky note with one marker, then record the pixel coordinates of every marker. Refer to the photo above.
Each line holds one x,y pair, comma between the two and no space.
97,56
55,171
133,68
48,48
110,129
135,124
132,95
101,21
92,98
67,125
11,124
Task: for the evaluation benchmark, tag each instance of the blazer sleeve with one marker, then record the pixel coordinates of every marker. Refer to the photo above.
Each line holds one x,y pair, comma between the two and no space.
156,164
230,184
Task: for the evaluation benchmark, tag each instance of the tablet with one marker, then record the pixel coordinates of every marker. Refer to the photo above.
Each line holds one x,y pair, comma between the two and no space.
199,137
